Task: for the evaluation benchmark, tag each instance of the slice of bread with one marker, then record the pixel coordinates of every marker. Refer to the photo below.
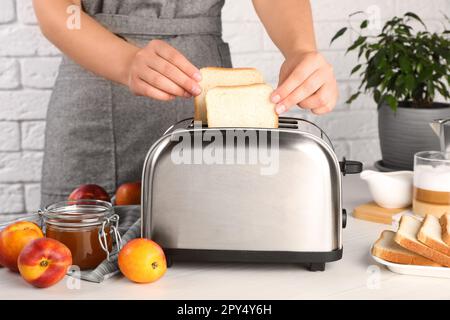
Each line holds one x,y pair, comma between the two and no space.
241,106
430,234
445,225
387,249
215,77
406,236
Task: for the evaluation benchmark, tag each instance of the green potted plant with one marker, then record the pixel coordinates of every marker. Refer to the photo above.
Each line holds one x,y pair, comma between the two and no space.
403,69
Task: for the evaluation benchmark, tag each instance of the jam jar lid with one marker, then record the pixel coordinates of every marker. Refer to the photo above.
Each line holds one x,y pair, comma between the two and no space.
77,213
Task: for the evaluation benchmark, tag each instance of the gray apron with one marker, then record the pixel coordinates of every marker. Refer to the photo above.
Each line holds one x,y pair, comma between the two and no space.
98,131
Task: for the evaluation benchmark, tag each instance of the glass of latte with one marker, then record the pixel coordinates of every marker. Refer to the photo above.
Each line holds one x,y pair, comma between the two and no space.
431,194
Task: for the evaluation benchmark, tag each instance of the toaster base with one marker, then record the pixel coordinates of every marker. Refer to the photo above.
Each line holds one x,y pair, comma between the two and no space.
315,261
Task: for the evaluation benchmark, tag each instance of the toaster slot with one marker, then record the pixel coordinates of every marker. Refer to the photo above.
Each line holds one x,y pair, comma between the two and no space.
287,126
305,126
191,125
290,123
282,120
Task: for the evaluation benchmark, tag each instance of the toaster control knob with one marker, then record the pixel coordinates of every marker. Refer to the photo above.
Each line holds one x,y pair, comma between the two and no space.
350,167
344,218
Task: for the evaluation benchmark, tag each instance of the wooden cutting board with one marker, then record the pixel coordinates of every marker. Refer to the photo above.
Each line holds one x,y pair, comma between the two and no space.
372,212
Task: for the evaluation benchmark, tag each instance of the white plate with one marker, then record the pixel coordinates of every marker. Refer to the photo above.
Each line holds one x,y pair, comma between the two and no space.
427,271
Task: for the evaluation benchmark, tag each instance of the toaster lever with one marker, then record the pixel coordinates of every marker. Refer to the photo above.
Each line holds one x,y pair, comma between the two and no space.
350,166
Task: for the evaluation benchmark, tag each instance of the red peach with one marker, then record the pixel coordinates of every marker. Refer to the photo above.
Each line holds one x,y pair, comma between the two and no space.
44,262
129,194
14,238
89,191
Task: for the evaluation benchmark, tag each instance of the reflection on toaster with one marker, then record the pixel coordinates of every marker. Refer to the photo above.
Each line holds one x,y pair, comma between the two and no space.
227,147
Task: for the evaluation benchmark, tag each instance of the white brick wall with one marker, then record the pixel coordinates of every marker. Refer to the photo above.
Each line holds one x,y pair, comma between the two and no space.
28,66
9,73
8,12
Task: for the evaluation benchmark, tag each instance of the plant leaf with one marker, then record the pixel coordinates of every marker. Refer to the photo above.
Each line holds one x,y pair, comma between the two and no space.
357,43
419,67
405,65
355,13
391,101
364,24
353,97
409,81
338,34
355,68
377,96
416,17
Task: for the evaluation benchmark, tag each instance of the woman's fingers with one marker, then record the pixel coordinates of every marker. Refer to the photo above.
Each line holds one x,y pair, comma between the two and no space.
320,102
142,88
298,75
307,80
161,72
174,74
172,55
322,110
161,82
304,90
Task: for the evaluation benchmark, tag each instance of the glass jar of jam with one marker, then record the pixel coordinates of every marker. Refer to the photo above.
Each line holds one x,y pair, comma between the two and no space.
86,227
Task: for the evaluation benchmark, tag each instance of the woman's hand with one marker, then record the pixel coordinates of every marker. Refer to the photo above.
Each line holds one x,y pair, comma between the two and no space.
159,71
306,80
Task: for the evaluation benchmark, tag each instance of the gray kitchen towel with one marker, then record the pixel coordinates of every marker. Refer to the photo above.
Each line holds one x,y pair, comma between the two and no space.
129,228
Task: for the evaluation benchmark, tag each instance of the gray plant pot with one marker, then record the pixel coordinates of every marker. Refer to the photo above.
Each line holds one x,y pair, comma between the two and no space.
407,131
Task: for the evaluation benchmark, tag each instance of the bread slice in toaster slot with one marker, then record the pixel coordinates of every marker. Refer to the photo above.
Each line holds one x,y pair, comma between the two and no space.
215,77
241,107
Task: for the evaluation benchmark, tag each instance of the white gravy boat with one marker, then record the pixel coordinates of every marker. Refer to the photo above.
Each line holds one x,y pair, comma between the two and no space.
390,190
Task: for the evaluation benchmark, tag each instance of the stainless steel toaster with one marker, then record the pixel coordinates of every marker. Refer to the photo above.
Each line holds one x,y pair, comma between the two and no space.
245,194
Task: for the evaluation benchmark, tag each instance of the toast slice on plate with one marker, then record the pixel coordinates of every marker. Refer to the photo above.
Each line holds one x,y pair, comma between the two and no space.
214,77
406,237
445,226
241,106
430,234
387,249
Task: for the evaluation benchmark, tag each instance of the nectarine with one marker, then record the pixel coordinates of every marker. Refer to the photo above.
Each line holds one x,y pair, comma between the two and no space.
44,262
142,261
14,238
89,191
128,194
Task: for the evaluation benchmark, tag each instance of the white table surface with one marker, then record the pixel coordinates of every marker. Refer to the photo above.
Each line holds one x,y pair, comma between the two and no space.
344,279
